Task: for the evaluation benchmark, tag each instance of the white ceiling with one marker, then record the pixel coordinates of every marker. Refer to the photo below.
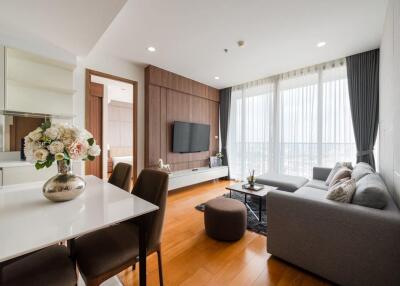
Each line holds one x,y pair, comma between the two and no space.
280,35
190,35
74,25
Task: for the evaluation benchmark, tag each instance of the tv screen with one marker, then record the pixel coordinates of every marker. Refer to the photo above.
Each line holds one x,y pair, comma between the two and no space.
190,137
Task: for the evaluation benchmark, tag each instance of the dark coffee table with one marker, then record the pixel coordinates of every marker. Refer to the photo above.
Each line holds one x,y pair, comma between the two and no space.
259,194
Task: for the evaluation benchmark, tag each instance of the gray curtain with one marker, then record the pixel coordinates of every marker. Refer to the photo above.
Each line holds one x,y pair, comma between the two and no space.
224,108
363,80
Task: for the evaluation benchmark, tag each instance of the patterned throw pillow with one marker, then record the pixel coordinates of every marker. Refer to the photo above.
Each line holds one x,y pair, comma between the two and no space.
336,168
341,174
343,191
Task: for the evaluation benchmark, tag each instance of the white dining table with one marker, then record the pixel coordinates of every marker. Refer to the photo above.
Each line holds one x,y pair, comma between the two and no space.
29,222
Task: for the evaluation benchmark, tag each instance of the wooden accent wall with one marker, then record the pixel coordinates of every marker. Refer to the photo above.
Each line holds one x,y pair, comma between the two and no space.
170,97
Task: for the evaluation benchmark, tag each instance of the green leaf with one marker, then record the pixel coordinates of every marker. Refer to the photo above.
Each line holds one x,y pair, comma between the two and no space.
39,165
66,156
45,125
49,162
91,158
90,141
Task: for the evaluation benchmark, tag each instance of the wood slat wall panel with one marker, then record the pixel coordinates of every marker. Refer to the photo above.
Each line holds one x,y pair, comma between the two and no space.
164,124
214,126
154,126
171,97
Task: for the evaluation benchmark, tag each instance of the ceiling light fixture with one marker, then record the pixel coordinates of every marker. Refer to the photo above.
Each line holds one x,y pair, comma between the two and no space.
321,44
216,77
151,49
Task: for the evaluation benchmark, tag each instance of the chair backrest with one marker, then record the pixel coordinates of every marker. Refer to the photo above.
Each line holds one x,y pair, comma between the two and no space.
121,176
152,186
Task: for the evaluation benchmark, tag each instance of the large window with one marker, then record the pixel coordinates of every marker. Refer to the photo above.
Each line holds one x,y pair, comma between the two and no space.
250,129
291,123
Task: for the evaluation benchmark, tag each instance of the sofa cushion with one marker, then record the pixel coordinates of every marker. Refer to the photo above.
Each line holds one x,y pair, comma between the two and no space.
371,192
317,184
342,191
341,174
311,193
283,182
360,170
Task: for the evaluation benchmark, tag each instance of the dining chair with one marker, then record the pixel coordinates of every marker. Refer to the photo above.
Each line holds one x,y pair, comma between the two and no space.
104,253
121,176
50,266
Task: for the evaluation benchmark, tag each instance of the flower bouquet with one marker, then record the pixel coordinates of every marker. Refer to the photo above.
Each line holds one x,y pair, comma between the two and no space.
61,143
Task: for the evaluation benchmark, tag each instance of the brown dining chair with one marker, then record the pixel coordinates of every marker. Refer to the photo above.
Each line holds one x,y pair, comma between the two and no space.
121,176
50,266
104,253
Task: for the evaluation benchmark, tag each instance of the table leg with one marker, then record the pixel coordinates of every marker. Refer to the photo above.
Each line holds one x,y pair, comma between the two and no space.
260,209
245,199
230,193
142,253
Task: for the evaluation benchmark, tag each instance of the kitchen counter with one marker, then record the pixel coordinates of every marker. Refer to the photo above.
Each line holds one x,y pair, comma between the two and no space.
10,164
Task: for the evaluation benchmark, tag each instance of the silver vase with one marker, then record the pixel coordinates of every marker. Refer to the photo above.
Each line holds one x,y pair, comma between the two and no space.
64,186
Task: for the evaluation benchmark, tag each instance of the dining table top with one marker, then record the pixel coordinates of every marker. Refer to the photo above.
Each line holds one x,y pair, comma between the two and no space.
29,222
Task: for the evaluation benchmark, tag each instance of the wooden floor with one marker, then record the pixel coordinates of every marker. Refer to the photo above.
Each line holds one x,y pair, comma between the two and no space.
192,258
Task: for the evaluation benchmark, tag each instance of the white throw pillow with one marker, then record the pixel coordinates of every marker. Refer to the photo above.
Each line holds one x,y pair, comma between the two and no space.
343,191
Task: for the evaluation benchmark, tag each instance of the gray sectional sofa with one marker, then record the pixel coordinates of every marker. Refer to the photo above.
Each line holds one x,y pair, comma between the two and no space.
349,244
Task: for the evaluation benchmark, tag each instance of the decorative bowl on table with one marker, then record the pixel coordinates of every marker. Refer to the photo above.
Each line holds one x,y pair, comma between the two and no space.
61,143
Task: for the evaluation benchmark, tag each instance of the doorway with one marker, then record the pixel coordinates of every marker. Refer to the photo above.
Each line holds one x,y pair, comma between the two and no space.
111,116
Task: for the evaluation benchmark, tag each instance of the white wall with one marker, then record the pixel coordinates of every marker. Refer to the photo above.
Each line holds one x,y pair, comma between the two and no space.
37,46
108,64
389,100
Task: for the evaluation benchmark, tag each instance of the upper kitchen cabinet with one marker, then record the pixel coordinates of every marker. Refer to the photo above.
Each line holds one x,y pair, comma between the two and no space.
35,84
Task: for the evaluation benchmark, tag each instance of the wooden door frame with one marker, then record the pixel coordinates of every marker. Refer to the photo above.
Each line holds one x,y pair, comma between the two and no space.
89,73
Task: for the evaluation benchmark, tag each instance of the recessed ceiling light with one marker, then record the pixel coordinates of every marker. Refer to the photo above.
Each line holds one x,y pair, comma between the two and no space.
321,44
151,49
216,77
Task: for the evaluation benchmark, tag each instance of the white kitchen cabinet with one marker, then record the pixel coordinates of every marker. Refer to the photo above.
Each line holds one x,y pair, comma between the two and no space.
35,84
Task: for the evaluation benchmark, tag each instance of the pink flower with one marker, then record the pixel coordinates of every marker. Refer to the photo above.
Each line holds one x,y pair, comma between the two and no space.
78,149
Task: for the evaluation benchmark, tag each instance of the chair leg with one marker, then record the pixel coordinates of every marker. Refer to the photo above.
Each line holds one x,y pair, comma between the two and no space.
160,272
134,267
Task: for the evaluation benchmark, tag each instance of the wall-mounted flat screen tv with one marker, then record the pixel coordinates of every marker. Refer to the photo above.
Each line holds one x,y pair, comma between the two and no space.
190,137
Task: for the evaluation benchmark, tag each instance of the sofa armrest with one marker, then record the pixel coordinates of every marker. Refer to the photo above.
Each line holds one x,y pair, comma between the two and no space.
321,173
340,242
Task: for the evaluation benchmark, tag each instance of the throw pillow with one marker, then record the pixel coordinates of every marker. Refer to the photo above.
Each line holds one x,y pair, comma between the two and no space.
336,168
343,191
371,192
361,170
342,173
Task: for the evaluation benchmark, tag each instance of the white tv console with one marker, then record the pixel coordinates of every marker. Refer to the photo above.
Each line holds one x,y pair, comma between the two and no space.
189,177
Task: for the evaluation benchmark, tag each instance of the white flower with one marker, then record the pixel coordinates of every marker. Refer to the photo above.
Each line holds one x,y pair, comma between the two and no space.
36,134
30,146
59,156
56,147
94,150
78,149
53,133
87,135
40,154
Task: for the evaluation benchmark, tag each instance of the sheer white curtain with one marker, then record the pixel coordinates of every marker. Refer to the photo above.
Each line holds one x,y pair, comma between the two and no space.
291,123
298,123
249,132
337,133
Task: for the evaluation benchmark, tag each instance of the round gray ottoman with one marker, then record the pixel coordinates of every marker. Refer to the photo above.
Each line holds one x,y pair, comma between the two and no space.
225,219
